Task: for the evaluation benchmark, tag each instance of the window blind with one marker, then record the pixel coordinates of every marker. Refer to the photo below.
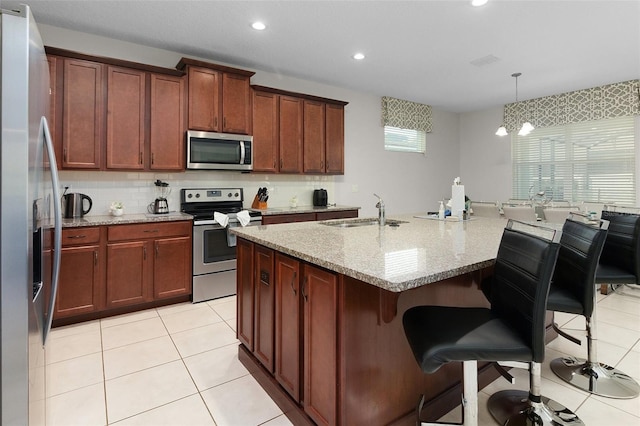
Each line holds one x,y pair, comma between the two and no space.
588,161
405,140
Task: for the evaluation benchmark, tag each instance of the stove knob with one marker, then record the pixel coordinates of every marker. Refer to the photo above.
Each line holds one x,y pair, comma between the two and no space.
236,195
230,194
198,195
190,195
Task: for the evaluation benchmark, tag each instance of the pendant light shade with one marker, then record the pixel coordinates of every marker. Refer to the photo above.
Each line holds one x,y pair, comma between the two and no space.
527,127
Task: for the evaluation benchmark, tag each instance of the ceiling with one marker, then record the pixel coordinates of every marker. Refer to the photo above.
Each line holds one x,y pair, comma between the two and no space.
448,54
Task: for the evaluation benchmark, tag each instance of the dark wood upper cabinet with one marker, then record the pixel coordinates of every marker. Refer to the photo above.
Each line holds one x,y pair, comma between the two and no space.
219,97
290,134
334,139
126,106
265,131
82,114
314,137
167,122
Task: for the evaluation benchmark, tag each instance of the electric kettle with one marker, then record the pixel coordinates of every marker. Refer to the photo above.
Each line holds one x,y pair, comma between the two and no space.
73,205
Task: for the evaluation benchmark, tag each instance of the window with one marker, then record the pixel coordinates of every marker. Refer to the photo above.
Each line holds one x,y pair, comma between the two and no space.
405,140
591,161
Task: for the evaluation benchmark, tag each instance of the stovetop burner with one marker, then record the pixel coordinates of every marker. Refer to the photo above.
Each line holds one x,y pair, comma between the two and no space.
203,202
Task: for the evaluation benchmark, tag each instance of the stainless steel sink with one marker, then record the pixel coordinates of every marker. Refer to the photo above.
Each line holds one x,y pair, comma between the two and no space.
354,223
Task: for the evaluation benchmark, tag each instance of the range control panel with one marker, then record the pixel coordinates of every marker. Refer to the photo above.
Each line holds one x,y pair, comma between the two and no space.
208,195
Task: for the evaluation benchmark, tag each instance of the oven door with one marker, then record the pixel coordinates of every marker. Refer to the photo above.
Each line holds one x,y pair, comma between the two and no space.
213,251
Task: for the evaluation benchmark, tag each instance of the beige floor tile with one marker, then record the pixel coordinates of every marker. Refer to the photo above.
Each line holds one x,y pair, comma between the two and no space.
561,318
596,413
75,373
636,348
281,420
189,319
618,318
226,310
231,323
73,346
202,339
215,367
178,307
80,328
630,365
607,352
240,402
484,417
631,406
81,407
127,318
133,332
222,300
139,356
189,411
141,391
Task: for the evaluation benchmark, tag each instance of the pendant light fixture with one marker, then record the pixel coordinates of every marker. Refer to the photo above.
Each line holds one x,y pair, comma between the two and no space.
527,127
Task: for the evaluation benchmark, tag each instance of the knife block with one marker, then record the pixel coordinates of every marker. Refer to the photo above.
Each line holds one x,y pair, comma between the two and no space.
260,205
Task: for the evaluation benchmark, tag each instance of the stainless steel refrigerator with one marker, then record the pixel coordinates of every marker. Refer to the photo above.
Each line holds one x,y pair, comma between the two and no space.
30,219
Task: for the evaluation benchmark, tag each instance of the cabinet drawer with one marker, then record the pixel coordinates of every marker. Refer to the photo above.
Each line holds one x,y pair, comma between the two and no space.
80,236
148,230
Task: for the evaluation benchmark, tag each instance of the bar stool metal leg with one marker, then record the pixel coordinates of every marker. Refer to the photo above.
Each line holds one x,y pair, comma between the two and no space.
519,408
593,376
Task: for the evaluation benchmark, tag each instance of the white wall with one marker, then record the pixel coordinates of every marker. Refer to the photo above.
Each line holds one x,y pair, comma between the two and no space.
409,183
485,159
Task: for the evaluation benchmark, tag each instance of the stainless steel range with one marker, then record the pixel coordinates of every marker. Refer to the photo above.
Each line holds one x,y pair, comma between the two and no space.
214,247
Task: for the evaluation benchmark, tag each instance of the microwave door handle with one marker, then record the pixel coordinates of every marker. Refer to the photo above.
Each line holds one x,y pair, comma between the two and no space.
242,152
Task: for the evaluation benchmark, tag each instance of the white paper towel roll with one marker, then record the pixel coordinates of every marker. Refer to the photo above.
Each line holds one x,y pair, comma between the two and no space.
457,200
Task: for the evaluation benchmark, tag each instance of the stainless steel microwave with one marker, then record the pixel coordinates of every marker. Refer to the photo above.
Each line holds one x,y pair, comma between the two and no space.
219,151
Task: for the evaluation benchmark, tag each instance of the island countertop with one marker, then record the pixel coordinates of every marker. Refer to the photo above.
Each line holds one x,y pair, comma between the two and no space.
417,252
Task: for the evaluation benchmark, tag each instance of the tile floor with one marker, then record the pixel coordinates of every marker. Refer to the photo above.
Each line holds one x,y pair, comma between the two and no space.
178,365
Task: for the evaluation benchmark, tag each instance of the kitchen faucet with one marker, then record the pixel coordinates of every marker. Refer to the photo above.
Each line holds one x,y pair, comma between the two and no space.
380,206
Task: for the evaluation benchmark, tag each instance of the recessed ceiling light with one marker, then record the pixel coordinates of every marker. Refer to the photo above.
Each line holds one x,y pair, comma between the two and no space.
258,26
478,2
358,56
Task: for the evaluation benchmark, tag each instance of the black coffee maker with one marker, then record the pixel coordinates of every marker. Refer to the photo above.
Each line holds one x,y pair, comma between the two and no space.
320,198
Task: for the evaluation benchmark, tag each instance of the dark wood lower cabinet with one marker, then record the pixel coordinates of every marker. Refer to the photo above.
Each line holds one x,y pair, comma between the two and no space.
108,270
308,217
320,298
264,305
288,336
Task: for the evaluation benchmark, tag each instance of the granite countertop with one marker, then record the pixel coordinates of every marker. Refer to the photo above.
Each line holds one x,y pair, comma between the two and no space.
125,218
415,253
303,209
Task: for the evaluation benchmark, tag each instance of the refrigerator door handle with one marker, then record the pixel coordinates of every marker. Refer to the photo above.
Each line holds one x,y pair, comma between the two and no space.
57,230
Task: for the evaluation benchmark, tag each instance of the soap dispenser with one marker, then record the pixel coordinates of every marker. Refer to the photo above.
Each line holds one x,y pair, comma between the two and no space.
441,211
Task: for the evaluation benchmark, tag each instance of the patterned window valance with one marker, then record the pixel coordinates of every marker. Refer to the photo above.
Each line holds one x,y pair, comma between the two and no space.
610,101
406,114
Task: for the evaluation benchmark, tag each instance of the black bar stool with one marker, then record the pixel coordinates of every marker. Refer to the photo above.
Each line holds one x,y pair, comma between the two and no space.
513,329
572,290
617,264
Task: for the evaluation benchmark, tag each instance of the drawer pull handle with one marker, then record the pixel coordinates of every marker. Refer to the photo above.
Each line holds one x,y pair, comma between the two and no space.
293,278
76,236
150,230
144,253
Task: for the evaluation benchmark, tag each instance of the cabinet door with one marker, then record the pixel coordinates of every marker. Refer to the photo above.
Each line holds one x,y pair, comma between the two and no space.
167,122
320,294
265,132
313,139
54,113
82,114
290,134
288,218
129,274
265,298
172,267
78,289
288,320
126,107
334,139
236,104
204,99
245,292
342,214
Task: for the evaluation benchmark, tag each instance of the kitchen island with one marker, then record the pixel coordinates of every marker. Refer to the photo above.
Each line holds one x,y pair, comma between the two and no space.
320,308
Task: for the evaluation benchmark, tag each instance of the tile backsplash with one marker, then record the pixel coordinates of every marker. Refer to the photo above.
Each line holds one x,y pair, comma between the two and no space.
136,190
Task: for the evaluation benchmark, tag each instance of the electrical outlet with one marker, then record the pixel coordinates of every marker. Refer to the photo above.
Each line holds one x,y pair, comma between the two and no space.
354,188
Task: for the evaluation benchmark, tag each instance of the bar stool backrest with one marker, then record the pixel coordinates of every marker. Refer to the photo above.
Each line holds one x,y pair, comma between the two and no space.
622,246
580,249
522,275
